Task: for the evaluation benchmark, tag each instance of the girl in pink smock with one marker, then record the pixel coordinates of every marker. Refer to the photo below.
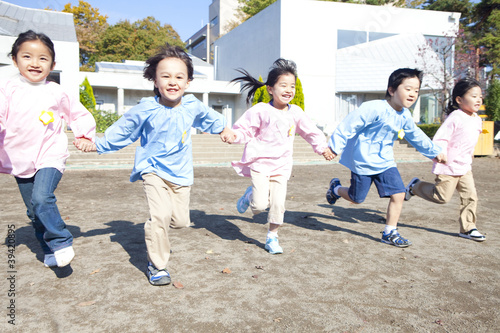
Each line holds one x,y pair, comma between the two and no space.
33,144
458,137
268,131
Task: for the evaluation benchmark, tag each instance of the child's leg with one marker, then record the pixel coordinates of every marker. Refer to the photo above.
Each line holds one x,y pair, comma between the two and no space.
180,196
156,228
47,219
440,192
394,209
259,201
277,196
468,202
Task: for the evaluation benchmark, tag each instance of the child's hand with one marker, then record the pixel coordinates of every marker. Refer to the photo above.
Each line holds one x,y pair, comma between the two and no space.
227,135
84,145
328,154
441,158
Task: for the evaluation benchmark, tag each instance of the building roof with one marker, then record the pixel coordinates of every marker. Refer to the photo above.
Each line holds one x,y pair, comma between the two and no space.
366,67
15,19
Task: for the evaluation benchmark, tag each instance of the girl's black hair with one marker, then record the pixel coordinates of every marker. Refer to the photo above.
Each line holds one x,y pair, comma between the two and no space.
397,77
28,36
279,67
460,89
167,51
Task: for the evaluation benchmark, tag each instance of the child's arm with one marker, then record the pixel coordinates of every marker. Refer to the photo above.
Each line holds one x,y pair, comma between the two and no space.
80,120
328,154
85,145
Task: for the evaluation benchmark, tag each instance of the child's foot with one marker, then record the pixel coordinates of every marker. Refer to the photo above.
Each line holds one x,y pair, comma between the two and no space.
409,188
394,238
50,260
64,256
331,197
244,201
273,246
474,235
158,277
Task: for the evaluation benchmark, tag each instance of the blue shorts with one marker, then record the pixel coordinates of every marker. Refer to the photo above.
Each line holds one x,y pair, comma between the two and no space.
388,183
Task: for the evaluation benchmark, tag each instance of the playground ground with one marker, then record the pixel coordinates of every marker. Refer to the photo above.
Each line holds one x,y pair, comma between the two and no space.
334,276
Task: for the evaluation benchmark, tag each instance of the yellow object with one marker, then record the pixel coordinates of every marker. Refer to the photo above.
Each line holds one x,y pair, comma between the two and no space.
401,134
46,117
290,131
485,142
183,136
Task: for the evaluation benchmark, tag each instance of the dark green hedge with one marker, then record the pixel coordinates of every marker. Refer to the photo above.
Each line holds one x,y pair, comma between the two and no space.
429,129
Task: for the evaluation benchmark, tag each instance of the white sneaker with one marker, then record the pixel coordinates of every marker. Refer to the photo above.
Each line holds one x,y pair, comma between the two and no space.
64,256
50,260
474,235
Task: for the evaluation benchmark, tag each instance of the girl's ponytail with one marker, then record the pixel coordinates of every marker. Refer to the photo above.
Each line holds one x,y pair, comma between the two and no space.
248,82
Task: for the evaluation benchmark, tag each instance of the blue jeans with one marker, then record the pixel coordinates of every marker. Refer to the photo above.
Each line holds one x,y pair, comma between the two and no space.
38,196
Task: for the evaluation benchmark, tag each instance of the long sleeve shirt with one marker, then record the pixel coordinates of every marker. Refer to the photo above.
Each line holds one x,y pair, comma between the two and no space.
165,134
32,126
458,137
268,135
365,138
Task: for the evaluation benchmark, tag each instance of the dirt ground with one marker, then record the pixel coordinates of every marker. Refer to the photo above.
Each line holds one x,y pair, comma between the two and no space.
334,276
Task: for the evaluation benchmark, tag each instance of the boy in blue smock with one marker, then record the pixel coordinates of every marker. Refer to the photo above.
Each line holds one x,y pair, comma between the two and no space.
164,161
365,138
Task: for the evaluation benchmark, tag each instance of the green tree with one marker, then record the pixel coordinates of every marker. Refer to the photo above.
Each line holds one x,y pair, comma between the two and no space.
486,29
136,41
464,7
87,97
261,94
492,101
89,26
298,99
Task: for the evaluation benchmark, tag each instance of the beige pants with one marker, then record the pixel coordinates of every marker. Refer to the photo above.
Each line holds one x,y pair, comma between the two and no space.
442,190
269,191
168,207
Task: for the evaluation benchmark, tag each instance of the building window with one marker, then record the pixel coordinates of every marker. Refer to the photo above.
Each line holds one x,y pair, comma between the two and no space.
214,22
54,77
430,109
346,38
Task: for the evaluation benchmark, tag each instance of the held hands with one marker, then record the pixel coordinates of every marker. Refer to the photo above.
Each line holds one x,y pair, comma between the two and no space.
227,135
441,158
328,154
84,145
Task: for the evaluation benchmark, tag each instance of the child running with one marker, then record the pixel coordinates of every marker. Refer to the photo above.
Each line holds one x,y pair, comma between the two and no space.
365,138
164,161
33,142
457,136
268,131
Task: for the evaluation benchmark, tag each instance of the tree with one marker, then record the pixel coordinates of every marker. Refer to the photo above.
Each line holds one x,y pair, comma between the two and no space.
486,29
87,97
464,7
136,41
89,26
298,99
492,101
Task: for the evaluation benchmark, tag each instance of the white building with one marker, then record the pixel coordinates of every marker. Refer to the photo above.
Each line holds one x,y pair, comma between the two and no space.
344,52
57,25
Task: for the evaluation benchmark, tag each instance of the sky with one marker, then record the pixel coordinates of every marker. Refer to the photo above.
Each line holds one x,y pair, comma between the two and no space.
185,16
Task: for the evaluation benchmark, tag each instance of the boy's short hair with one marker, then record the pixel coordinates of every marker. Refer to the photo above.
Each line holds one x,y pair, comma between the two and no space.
167,51
397,77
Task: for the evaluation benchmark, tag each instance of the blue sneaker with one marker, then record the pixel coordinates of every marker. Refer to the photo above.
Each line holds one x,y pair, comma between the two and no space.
409,187
243,202
331,197
158,277
273,246
394,238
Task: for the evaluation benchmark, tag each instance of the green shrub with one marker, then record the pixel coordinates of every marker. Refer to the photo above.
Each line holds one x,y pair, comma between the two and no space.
429,129
492,101
87,95
103,119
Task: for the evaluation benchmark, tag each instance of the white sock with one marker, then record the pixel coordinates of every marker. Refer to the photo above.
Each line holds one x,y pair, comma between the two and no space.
389,228
336,190
272,234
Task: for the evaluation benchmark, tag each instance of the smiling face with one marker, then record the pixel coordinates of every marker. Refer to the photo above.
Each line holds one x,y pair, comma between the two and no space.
283,91
34,60
171,81
471,101
405,95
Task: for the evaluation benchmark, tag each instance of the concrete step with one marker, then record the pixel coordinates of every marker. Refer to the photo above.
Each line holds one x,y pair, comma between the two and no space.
209,150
